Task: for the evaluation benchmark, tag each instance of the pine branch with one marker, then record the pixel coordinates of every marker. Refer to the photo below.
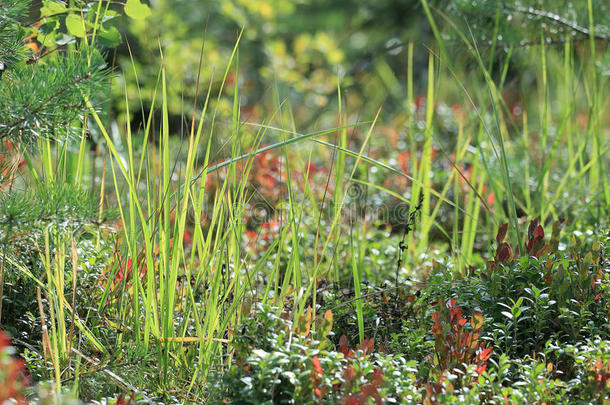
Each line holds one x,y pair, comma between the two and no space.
35,101
12,14
52,97
60,204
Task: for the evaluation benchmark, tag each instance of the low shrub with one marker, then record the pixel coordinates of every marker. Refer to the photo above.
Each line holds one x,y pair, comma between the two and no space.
276,363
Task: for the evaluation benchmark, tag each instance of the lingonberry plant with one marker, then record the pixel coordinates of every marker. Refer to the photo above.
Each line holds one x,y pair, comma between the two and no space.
457,342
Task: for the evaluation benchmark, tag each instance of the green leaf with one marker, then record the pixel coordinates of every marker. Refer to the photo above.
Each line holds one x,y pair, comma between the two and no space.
52,8
110,15
48,40
137,10
48,27
75,26
109,37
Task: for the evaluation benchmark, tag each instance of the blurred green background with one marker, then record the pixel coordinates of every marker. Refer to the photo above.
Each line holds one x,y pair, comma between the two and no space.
300,50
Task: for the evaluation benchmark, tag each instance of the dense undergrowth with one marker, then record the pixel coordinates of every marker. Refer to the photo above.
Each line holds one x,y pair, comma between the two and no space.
530,329
451,246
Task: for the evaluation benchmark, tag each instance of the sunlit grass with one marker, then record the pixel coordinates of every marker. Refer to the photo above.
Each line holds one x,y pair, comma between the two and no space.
181,302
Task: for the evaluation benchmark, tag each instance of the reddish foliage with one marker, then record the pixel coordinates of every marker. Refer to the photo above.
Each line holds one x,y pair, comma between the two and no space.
504,253
122,401
420,102
366,347
187,238
13,377
601,375
351,377
404,159
433,389
456,346
317,374
535,245
266,173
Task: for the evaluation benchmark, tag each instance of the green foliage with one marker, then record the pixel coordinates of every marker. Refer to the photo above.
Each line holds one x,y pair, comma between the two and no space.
297,272
30,212
586,366
11,32
44,96
81,22
273,364
505,24
560,295
135,9
47,100
304,47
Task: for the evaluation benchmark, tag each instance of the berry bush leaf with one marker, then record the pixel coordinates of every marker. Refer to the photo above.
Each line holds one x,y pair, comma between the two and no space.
136,10
75,26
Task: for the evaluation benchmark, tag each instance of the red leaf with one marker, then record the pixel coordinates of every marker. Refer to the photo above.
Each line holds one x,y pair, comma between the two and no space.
501,233
377,377
187,238
544,251
475,341
4,340
348,374
367,345
504,253
317,367
466,340
351,400
343,346
477,320
370,390
485,354
539,232
531,229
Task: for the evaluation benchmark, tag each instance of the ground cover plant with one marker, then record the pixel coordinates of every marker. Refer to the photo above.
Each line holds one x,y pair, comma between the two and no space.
290,202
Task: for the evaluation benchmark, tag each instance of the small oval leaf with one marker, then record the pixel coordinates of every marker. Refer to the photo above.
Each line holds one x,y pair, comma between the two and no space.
109,37
50,8
75,26
136,10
